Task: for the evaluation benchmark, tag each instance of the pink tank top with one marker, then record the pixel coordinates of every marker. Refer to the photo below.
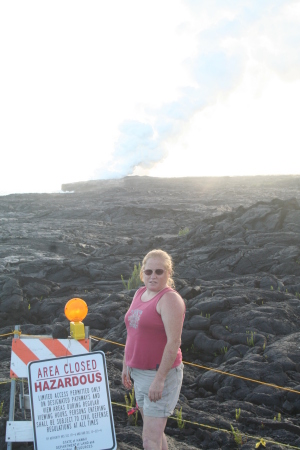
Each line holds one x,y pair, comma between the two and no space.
146,336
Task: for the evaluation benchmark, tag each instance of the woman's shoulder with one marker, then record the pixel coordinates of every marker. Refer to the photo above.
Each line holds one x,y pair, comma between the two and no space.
171,296
169,291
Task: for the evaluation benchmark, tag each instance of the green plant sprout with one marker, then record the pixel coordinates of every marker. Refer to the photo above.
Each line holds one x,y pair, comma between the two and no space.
250,341
180,421
134,281
278,418
237,413
183,231
236,436
1,408
129,399
130,403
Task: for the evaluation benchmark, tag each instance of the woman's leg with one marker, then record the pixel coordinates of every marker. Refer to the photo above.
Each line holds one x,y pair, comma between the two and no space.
154,437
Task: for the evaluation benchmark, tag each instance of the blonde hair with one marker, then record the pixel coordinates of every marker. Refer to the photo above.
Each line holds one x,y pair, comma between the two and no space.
167,262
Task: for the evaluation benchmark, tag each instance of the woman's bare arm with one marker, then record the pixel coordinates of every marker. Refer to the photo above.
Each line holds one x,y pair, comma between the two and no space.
172,308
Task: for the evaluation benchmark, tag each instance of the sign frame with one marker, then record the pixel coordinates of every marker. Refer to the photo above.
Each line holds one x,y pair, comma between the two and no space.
50,377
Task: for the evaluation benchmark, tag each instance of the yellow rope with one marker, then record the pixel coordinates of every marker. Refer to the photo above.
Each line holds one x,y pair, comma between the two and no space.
106,340
201,367
219,371
19,332
16,379
194,365
12,332
243,378
218,429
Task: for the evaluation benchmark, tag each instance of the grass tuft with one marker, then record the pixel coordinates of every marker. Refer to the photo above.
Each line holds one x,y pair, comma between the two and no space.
180,421
134,281
183,231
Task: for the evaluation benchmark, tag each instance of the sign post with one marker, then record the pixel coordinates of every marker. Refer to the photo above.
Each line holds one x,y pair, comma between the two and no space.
70,403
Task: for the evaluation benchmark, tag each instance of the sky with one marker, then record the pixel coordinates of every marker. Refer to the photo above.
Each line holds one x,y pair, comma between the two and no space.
166,88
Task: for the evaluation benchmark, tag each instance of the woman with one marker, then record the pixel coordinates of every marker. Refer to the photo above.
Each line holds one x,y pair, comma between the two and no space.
152,356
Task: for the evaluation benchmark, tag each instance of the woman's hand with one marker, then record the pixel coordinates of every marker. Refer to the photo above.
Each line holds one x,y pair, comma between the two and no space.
126,377
156,390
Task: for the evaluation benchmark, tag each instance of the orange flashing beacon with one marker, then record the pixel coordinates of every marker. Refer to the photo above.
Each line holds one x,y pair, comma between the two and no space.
76,310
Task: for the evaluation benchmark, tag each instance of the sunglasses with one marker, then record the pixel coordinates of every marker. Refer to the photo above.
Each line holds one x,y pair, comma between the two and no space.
149,272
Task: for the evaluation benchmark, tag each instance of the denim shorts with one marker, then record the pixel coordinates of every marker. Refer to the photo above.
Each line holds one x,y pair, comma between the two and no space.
165,406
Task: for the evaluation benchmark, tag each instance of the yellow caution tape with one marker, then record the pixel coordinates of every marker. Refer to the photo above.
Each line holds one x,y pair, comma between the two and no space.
221,429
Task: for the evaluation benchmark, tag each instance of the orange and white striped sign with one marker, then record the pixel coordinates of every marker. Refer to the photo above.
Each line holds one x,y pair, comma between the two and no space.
26,350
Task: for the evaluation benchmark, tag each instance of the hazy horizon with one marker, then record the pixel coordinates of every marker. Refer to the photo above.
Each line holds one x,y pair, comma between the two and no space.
149,176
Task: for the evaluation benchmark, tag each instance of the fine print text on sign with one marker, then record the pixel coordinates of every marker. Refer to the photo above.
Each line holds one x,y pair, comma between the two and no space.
70,403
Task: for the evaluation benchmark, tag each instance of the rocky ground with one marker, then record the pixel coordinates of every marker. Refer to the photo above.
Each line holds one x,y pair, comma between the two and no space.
236,247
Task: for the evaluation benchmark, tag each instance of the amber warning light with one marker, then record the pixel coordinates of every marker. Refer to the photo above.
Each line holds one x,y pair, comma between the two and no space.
76,310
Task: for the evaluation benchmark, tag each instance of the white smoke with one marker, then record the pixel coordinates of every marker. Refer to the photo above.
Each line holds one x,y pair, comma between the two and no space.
223,51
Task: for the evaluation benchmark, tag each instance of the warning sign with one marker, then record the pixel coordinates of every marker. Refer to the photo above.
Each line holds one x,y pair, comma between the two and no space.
70,403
